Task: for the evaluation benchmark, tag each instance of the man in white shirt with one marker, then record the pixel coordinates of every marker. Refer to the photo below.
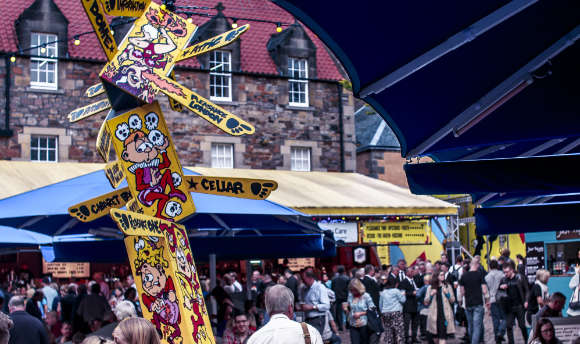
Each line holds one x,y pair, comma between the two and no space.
280,329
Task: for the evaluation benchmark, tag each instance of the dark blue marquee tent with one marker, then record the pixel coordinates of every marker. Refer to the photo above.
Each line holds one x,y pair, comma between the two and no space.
468,82
226,226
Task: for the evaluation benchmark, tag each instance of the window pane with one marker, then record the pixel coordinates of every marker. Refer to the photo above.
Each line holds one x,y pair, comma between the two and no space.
43,142
51,142
42,155
52,155
33,154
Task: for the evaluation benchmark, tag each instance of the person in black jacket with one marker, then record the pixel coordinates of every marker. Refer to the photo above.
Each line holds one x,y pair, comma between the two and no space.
291,283
374,290
26,329
32,305
340,287
410,315
514,286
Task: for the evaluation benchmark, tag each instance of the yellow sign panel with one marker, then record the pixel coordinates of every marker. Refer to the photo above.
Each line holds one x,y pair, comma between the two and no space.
125,8
101,26
207,110
104,140
114,173
89,110
166,278
148,53
404,232
213,43
95,90
234,187
151,166
66,270
133,206
92,209
297,264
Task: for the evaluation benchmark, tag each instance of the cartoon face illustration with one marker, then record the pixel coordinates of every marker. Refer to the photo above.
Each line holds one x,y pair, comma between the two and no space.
156,137
138,148
153,278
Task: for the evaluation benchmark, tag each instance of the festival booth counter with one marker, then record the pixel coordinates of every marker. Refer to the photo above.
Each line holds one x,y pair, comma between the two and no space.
372,220
556,252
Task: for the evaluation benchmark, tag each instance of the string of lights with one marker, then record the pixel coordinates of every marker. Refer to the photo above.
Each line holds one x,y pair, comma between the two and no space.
77,37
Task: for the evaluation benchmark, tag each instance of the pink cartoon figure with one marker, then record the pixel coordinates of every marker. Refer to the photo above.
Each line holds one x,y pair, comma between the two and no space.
151,165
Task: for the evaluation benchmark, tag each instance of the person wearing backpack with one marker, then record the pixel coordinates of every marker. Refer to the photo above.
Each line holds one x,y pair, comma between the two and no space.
514,308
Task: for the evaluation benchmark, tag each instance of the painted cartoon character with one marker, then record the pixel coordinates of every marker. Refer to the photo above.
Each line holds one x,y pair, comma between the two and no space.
148,50
187,275
151,165
159,291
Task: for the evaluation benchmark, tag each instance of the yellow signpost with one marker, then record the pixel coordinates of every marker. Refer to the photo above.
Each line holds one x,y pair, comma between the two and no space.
100,24
213,43
92,209
166,277
234,187
89,110
124,8
104,140
143,144
158,194
95,90
114,173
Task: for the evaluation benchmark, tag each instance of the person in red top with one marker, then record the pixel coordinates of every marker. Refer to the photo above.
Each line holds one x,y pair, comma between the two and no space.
240,331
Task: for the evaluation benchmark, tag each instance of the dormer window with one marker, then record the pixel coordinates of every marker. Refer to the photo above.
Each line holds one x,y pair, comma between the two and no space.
298,82
220,75
44,61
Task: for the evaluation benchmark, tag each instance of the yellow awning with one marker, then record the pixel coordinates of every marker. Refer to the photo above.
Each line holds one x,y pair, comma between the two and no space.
339,194
313,193
20,176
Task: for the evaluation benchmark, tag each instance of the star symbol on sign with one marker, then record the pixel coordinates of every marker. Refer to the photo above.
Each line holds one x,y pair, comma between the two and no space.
192,184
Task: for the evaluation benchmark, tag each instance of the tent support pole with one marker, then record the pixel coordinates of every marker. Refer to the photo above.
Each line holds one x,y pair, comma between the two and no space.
454,42
212,278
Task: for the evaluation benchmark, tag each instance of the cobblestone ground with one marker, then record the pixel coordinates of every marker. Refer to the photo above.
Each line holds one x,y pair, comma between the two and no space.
488,337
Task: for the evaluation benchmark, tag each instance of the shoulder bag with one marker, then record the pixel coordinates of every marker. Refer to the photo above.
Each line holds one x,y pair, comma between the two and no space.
575,305
374,322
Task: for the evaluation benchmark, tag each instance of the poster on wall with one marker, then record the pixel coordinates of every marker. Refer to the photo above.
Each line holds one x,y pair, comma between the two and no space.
534,259
66,270
345,231
403,232
567,235
297,264
567,329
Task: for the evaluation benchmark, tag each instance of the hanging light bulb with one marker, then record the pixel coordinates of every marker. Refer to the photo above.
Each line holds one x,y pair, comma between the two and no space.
12,58
235,23
77,40
278,27
42,50
112,32
190,20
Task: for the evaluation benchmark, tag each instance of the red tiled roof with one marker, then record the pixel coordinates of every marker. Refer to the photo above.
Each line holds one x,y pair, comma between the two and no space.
254,55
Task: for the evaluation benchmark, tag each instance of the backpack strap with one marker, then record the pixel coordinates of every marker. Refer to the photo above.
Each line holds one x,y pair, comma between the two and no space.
306,333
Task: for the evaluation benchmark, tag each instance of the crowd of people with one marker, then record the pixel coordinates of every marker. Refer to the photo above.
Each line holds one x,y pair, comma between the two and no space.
424,302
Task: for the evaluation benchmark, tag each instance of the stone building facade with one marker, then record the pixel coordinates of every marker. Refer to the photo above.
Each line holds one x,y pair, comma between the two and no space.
258,92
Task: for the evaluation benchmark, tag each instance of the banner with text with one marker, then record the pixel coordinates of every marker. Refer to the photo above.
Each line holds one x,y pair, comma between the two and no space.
346,231
393,233
66,270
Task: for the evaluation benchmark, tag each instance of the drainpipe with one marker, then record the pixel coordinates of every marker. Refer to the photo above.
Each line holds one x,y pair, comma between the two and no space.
340,125
6,132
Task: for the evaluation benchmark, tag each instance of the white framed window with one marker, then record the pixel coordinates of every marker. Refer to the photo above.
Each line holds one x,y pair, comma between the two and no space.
222,155
297,84
300,159
43,148
44,62
220,75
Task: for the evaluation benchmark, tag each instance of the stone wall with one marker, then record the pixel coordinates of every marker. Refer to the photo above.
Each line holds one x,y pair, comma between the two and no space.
261,100
384,165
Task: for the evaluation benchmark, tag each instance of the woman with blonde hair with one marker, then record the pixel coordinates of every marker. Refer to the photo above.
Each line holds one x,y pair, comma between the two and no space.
359,302
538,295
439,298
135,331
